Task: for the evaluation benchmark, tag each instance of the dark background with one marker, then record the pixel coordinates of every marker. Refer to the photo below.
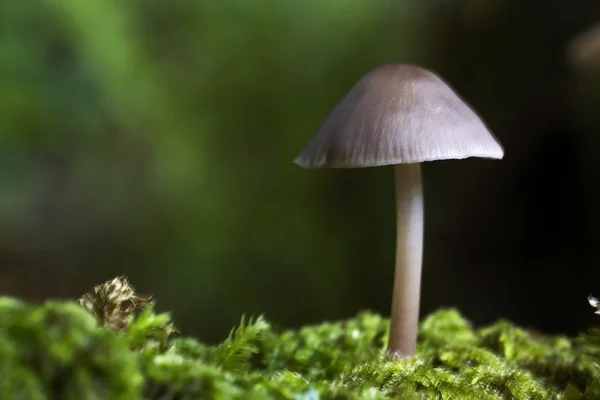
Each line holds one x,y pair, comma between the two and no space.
155,138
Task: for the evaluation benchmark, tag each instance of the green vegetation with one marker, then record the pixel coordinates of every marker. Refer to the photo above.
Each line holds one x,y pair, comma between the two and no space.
102,349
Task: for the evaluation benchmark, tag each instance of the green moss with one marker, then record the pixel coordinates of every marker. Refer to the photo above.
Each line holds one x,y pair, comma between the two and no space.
102,349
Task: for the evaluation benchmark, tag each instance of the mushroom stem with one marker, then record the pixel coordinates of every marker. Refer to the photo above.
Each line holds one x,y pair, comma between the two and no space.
409,254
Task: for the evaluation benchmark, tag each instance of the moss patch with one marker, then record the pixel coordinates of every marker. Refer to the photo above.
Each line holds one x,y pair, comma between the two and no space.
101,349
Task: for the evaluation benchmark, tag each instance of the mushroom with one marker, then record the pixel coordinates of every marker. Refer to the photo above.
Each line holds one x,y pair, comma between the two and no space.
401,115
584,50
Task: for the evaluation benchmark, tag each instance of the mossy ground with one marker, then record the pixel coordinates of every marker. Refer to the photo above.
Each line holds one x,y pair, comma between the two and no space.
103,350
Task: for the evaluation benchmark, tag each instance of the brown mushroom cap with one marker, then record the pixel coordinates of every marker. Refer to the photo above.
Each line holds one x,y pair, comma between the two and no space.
399,114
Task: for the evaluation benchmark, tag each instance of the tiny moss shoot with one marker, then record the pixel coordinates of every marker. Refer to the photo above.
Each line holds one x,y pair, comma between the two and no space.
111,344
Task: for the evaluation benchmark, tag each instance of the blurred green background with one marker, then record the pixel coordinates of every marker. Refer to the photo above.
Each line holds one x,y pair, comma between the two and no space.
155,138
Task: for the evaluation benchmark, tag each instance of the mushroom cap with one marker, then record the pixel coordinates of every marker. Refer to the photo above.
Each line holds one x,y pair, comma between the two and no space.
399,114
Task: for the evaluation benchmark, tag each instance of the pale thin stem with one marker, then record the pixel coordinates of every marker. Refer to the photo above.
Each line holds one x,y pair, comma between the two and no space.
409,254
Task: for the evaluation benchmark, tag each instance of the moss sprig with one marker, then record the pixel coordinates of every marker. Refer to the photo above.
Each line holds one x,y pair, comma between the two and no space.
113,302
